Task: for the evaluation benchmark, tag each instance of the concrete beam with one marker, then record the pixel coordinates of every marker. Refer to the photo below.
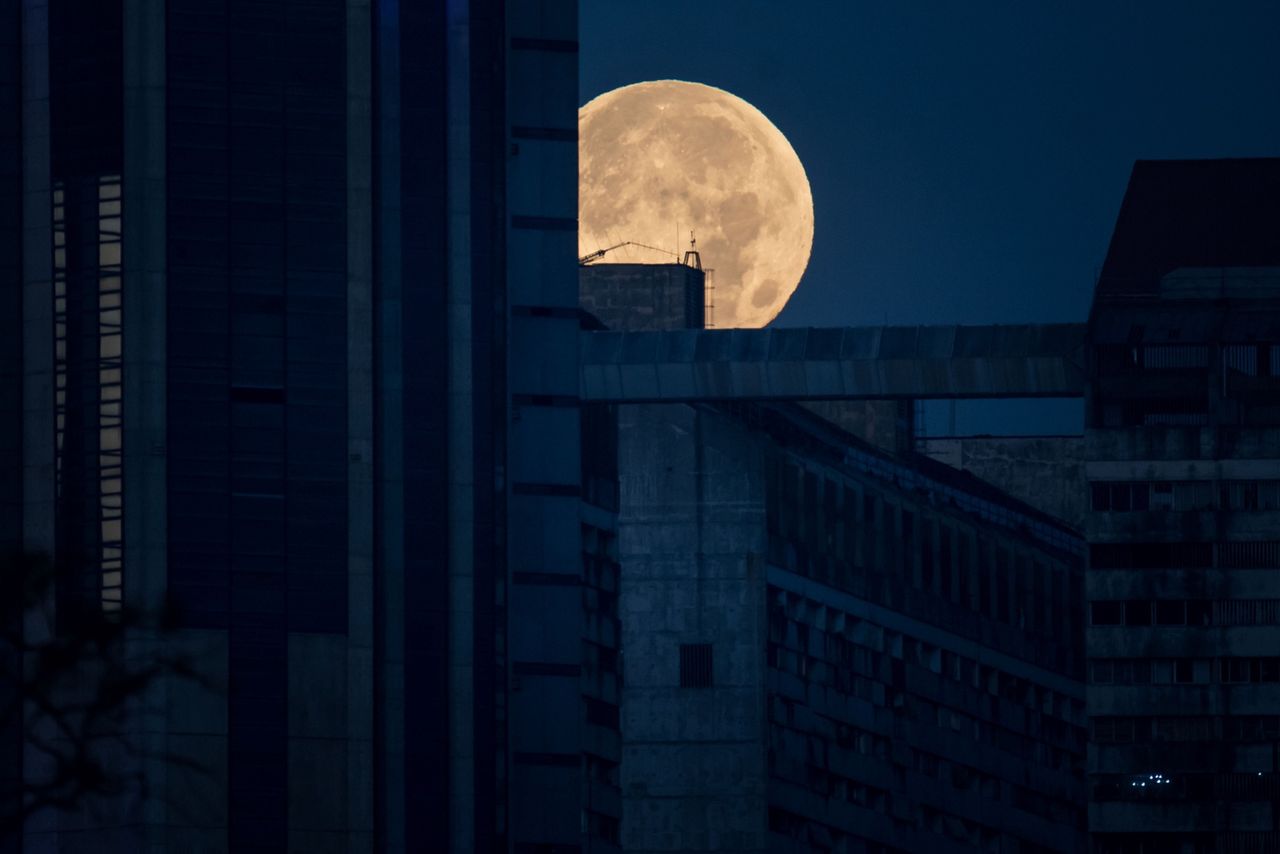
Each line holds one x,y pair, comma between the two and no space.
909,362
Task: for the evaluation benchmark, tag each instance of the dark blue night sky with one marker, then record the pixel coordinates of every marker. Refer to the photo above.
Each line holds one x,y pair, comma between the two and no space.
967,159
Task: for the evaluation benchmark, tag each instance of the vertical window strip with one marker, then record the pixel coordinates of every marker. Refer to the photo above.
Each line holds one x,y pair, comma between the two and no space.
59,331
110,394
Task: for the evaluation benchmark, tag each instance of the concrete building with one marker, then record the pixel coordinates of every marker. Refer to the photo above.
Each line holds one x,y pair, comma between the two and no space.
1046,472
827,648
289,333
1181,449
1180,514
643,296
828,645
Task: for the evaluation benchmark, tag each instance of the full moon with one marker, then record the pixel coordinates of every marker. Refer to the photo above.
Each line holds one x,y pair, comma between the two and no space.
659,160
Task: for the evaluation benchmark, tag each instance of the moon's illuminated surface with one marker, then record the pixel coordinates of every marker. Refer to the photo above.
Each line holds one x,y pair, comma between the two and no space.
667,154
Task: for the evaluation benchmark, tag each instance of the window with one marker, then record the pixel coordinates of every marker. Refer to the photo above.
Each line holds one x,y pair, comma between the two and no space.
1199,612
926,555
906,547
1162,496
1193,495
944,563
1113,730
1003,581
1179,496
88,398
1235,669
1153,555
1251,555
1251,727
1101,496
600,713
695,665
1251,494
1269,490
1137,612
1121,497
1164,671
1183,729
1171,613
1106,613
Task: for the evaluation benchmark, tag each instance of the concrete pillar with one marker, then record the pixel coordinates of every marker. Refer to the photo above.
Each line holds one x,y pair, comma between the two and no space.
389,590
691,541
319,747
145,413
550,798
37,355
460,403
359,700
37,283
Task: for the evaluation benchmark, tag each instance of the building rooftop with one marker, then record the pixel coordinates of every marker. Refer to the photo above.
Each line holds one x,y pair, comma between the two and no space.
1192,213
794,426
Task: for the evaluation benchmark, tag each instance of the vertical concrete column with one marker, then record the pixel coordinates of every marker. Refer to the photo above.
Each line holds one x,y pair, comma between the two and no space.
144,303
37,355
547,620
691,541
459,431
389,464
37,283
360,384
145,414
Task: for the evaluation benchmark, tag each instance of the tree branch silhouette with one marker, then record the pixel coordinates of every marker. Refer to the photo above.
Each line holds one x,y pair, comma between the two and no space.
75,697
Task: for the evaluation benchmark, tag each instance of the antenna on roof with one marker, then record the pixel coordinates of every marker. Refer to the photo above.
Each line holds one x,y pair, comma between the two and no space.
600,253
692,258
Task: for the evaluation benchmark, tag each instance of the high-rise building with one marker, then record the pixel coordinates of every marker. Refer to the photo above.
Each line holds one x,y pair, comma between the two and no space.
1181,448
289,335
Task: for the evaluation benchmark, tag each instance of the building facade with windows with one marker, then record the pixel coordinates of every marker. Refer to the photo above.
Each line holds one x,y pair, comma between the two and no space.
1181,452
830,642
827,647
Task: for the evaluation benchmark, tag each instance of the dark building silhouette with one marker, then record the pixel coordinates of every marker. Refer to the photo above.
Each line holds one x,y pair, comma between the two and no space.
11,468
1182,437
288,319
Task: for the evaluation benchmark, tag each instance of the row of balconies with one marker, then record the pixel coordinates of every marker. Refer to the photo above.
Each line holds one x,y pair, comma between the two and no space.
1181,443
1188,700
1181,641
1189,525
1212,584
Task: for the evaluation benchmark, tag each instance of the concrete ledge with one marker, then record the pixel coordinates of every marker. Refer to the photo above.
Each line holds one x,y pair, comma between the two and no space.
908,362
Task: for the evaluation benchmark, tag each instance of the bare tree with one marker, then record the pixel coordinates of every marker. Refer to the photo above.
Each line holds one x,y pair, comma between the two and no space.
70,699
